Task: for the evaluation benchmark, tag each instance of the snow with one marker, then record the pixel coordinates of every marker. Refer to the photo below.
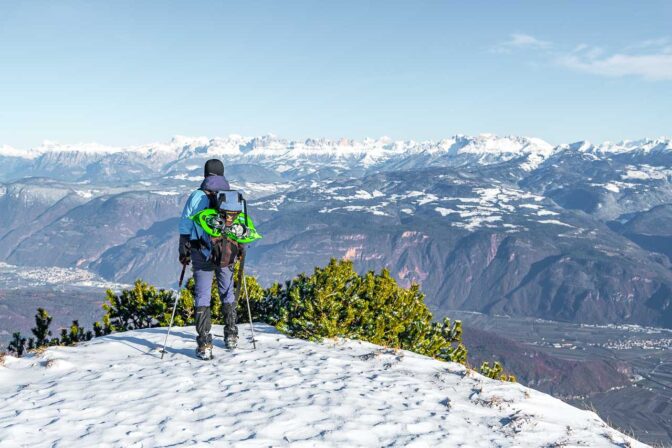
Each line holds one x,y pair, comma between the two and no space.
488,208
9,151
612,187
184,176
635,174
428,198
308,155
477,221
116,391
253,190
363,194
270,204
554,222
86,194
445,211
661,144
285,153
83,148
358,208
646,172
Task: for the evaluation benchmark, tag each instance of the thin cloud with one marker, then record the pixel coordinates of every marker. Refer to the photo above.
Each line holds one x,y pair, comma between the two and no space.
659,43
650,59
653,65
521,41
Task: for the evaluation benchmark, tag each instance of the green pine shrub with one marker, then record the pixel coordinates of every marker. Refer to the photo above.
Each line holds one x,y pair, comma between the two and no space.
334,301
68,336
184,313
256,294
17,345
41,330
496,372
75,334
337,301
143,306
64,338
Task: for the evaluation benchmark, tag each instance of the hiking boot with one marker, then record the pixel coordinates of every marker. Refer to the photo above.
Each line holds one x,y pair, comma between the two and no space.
231,342
204,352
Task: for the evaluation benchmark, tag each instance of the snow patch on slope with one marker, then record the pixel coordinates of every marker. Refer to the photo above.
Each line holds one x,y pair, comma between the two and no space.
116,391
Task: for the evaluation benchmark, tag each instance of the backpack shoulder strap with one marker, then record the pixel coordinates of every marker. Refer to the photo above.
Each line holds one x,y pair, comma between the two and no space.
212,197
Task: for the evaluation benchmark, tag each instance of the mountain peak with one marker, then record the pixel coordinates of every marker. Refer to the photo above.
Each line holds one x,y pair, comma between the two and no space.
9,151
115,390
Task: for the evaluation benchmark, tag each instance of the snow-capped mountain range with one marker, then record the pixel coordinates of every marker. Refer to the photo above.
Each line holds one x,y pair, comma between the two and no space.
116,391
491,224
296,157
181,147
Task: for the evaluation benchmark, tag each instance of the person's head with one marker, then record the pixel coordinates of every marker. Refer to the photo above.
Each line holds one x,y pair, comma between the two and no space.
213,167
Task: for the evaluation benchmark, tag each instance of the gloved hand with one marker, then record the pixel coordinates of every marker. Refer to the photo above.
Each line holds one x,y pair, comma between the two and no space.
241,251
185,249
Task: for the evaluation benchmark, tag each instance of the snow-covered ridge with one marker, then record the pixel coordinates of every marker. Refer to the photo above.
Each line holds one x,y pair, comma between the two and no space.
116,391
8,151
181,146
644,146
185,147
184,156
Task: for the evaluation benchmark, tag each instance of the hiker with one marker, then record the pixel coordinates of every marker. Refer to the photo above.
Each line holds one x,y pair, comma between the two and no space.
210,256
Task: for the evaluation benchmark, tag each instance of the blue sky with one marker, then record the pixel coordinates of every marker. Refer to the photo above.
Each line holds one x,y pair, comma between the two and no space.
127,72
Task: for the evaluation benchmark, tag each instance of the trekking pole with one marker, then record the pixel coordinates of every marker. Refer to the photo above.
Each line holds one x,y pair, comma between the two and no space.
172,317
241,282
249,314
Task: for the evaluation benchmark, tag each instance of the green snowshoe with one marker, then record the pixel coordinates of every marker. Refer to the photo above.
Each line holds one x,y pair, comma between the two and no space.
213,223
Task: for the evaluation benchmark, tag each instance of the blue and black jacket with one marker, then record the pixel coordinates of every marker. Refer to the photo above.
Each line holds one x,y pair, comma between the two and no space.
220,251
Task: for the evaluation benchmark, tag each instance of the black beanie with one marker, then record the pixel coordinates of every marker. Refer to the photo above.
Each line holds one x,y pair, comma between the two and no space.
213,167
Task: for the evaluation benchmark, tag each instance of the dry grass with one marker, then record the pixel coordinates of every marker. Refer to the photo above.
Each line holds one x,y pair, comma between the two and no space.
590,407
470,370
626,431
495,401
2,358
39,350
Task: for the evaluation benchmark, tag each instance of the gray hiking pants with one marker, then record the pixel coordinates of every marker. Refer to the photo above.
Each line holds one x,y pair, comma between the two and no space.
203,274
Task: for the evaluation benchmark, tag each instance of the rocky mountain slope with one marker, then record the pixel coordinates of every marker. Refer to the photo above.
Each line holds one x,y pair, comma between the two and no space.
506,225
560,377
